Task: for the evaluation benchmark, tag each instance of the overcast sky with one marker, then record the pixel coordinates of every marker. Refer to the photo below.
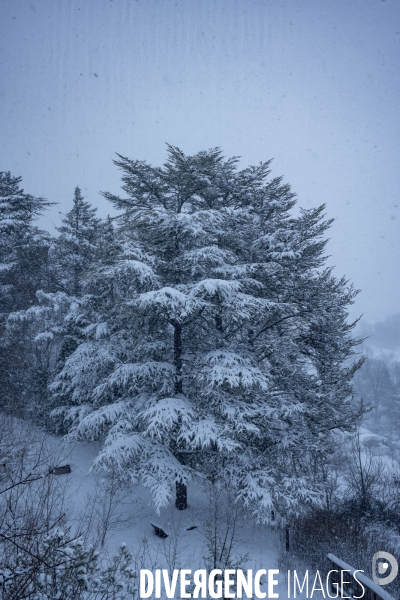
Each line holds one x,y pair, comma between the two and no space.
314,84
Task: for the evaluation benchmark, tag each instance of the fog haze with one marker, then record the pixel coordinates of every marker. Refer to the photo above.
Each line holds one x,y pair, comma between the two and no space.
313,84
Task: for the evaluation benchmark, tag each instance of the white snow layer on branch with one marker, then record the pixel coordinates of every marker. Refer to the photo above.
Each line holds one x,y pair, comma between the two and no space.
133,375
208,255
174,304
166,413
134,457
87,357
212,287
93,425
207,432
222,367
131,268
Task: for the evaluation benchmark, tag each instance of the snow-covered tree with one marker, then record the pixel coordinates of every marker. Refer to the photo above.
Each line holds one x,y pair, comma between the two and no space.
23,248
76,248
49,330
218,344
23,270
81,245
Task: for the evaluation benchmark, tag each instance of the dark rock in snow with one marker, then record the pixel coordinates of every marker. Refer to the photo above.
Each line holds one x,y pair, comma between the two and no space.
63,470
159,531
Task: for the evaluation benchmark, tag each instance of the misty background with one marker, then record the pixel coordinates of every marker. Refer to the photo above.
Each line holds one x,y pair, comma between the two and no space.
216,418
313,84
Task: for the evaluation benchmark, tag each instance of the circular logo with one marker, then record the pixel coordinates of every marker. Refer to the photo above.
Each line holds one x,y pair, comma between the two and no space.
388,560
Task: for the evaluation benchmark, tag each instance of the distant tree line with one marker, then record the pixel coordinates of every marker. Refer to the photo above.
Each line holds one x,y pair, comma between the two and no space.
378,383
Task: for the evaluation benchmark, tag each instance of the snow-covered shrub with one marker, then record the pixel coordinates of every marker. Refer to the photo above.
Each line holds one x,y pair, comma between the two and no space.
66,569
41,556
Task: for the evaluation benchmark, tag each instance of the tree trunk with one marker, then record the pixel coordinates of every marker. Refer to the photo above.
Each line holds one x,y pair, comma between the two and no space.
218,323
287,536
181,496
181,488
178,357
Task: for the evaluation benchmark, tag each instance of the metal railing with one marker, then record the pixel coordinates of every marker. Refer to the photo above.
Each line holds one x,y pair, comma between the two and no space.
352,588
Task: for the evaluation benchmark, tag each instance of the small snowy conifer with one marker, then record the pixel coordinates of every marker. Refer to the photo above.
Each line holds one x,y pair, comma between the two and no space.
23,269
76,247
23,248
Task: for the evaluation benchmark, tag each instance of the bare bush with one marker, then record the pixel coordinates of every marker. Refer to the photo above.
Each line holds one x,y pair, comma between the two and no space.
41,554
222,529
110,508
362,518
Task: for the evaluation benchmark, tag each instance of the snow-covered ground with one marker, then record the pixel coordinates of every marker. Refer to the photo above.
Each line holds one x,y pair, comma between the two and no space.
183,549
131,516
